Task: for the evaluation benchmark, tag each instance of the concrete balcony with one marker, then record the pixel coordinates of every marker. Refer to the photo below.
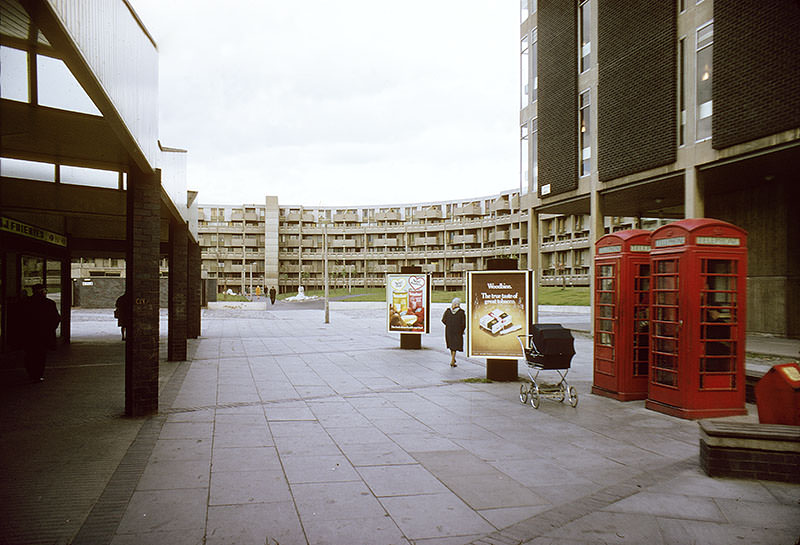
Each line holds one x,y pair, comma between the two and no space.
387,216
339,243
465,239
501,205
471,209
461,267
381,242
346,217
499,236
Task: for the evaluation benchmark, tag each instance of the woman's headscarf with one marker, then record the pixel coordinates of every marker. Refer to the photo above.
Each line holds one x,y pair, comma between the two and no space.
454,304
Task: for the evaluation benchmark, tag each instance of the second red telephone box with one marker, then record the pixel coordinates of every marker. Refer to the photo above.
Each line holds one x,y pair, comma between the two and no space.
621,310
698,273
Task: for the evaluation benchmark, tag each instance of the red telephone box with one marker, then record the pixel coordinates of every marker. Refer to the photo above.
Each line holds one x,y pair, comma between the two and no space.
698,273
621,310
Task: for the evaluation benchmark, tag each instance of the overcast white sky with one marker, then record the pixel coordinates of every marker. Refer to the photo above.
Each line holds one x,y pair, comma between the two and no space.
342,102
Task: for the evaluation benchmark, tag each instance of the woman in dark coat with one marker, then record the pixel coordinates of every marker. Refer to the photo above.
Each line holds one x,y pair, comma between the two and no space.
455,322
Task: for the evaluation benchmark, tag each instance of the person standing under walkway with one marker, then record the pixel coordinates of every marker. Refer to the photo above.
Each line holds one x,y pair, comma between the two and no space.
455,322
272,294
122,311
41,320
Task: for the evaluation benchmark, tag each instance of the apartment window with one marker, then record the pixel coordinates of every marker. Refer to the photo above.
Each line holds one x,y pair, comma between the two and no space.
585,133
534,65
584,29
524,158
682,91
524,65
524,10
578,222
705,42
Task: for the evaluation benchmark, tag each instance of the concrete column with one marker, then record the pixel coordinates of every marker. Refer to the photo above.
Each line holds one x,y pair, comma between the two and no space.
141,283
596,231
66,301
193,290
178,249
534,258
694,207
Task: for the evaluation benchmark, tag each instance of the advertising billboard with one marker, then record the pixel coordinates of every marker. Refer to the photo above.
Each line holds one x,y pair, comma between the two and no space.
497,312
408,303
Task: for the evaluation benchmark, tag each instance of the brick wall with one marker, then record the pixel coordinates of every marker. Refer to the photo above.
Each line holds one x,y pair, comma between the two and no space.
103,292
750,464
558,97
756,89
637,93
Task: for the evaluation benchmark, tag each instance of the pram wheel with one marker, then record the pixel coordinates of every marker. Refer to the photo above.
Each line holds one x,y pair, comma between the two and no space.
561,392
535,396
573,396
523,393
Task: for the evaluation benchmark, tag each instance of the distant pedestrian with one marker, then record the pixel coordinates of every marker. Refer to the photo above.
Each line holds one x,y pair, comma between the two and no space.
122,312
455,322
41,319
272,294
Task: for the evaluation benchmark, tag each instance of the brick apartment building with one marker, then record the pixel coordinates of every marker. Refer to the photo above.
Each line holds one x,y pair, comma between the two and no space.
669,110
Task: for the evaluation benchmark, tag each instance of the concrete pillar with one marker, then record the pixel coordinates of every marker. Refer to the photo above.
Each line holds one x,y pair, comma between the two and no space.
534,258
193,290
596,231
694,207
178,250
66,301
141,283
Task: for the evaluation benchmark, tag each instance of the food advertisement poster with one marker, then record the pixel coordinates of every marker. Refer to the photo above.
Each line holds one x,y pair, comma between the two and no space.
407,298
497,313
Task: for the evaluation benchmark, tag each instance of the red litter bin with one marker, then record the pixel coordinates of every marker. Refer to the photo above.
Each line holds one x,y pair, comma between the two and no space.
778,395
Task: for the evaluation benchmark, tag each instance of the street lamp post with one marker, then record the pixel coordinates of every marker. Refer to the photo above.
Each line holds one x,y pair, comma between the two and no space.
325,273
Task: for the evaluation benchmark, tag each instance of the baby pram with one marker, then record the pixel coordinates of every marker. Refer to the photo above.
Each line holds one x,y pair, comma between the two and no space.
550,347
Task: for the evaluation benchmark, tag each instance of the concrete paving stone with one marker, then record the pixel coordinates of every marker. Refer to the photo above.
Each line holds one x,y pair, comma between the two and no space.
404,424
301,428
454,463
669,505
371,400
435,516
310,392
318,443
237,395
254,524
231,422
343,420
761,514
165,511
538,472
202,415
492,490
712,533
181,449
373,531
786,493
504,517
254,437
493,449
400,480
357,436
382,412
316,468
187,430
696,483
237,487
174,474
336,501
176,537
245,459
457,540
376,454
423,442
248,408
611,528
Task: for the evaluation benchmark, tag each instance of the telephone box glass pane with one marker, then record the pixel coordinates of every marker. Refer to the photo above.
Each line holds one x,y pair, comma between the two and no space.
605,305
665,342
718,324
641,313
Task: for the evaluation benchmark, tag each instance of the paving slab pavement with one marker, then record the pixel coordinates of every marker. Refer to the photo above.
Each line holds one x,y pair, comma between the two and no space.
283,429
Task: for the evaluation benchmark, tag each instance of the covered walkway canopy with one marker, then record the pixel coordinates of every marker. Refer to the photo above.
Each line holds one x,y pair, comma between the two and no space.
83,174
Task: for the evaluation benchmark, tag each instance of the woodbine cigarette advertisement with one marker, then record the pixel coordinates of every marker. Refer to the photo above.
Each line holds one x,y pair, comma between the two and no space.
407,298
497,313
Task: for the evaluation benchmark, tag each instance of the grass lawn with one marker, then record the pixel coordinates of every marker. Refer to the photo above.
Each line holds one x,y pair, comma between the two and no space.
548,295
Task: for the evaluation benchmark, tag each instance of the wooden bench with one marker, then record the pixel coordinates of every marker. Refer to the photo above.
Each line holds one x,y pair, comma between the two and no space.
767,452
